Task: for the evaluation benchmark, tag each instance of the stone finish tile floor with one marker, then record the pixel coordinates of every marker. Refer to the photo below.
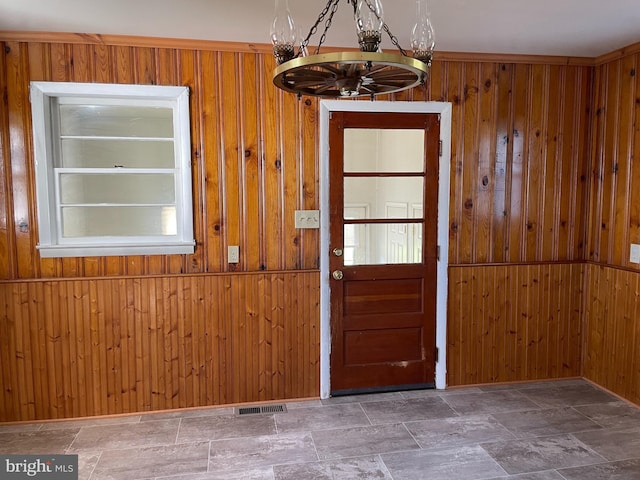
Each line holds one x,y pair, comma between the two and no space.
555,430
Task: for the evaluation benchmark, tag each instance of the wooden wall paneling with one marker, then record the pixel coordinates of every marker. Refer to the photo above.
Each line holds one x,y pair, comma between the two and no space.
16,64
503,162
514,323
634,174
551,184
568,165
633,380
609,159
274,139
613,212
106,336
251,224
612,357
308,358
585,138
536,162
37,354
156,346
486,176
5,361
499,329
597,154
519,163
469,157
7,354
625,327
436,83
97,371
7,255
190,75
231,85
594,324
454,89
453,326
213,187
291,166
624,157
39,70
102,56
574,342
237,309
309,197
556,304
633,195
287,130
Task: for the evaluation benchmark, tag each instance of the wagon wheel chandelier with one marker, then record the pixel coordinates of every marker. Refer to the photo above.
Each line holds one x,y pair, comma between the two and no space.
368,72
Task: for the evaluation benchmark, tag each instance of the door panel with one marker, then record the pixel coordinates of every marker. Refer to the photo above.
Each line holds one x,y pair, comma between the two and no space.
383,211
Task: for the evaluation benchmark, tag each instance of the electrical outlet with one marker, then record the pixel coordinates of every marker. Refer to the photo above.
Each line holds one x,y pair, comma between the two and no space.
233,254
307,219
634,256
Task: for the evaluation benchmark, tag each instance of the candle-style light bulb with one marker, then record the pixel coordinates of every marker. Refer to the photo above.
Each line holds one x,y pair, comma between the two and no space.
369,22
423,38
283,33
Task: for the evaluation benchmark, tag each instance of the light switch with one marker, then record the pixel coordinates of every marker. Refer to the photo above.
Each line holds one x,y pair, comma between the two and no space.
307,219
634,256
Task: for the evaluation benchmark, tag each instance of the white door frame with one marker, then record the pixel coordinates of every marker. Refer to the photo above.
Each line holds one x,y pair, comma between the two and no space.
442,108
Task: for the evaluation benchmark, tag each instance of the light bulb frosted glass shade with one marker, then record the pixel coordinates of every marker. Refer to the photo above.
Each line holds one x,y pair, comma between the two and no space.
369,22
423,38
283,33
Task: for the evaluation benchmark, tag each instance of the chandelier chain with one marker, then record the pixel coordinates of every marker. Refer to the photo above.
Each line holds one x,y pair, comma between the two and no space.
314,28
323,37
333,6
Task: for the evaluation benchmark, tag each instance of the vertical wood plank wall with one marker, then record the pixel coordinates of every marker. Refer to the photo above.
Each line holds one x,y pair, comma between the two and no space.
100,346
612,300
514,323
519,197
612,330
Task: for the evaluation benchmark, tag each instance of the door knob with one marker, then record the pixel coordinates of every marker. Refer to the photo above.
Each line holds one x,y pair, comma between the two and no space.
337,252
337,274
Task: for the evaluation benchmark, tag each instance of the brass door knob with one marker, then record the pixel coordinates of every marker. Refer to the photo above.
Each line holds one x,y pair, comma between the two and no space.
337,274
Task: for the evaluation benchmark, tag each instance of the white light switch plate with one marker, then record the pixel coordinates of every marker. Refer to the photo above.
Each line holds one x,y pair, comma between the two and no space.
634,256
307,219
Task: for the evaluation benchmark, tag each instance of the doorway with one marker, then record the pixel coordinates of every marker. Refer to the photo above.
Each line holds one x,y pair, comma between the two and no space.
383,197
404,241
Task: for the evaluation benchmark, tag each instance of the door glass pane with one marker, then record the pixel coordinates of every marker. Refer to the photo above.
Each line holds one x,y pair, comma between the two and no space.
387,197
383,150
380,244
101,221
78,188
116,121
108,153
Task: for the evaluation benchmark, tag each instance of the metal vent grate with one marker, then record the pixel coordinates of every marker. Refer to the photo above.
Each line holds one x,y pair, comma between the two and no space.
261,410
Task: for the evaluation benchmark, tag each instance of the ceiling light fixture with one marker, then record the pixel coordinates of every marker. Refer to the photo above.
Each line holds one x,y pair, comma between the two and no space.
369,72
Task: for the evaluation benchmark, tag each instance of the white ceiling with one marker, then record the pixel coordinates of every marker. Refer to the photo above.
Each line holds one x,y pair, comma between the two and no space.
546,27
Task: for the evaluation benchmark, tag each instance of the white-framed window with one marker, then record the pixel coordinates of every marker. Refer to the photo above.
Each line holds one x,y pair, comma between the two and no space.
113,169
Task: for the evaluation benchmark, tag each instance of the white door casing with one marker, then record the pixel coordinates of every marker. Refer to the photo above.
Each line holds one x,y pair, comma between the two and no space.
442,108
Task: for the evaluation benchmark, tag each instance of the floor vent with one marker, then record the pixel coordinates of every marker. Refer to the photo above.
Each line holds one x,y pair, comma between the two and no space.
266,409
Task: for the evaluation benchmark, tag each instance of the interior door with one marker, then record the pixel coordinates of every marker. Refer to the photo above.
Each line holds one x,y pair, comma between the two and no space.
383,196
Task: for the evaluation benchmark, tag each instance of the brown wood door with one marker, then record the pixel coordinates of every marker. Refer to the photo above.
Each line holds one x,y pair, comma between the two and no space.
383,191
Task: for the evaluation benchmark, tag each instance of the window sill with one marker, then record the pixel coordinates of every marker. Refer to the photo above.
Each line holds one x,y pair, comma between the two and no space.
56,251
